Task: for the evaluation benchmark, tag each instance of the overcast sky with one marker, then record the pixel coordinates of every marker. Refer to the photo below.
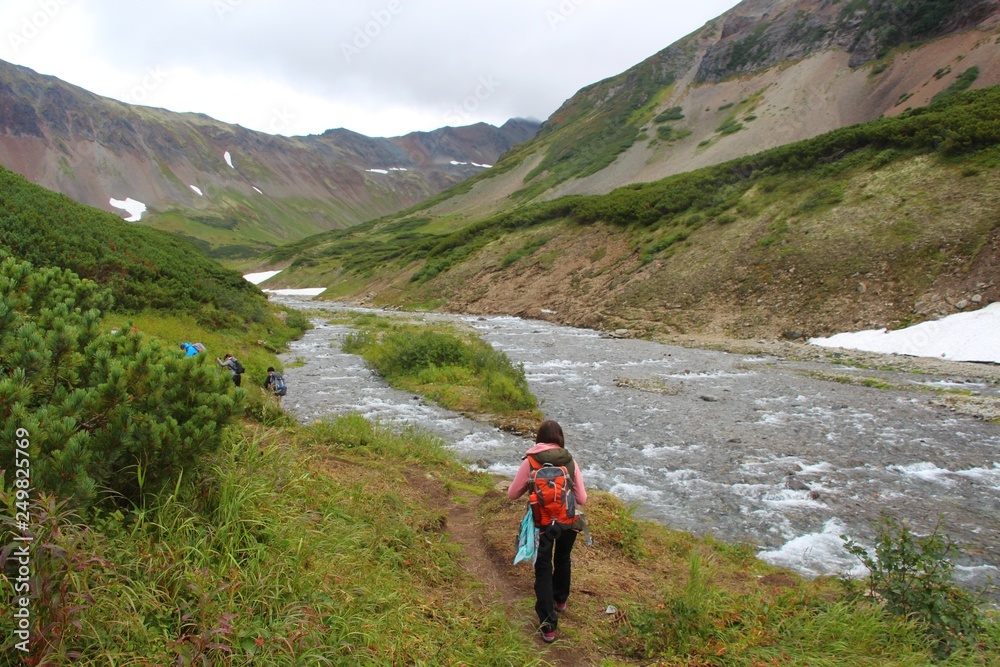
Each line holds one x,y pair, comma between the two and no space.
381,68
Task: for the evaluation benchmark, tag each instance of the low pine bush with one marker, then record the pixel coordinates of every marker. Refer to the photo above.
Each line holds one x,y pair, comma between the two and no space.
105,412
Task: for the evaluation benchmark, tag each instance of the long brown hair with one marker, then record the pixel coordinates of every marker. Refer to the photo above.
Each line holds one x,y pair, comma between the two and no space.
550,432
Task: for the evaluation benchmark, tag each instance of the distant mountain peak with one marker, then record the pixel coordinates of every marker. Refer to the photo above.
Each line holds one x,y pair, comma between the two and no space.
96,150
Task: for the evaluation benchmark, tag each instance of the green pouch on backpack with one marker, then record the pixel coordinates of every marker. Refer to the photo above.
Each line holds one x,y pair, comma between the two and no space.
527,539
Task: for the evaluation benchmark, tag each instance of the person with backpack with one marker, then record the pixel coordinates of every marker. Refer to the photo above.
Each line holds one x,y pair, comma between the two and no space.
275,382
235,367
190,349
553,481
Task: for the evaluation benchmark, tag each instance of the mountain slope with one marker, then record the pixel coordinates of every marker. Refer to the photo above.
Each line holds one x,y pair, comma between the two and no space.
728,185
880,224
233,189
764,74
142,267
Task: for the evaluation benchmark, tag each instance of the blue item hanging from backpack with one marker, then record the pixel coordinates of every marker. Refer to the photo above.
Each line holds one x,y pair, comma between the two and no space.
527,539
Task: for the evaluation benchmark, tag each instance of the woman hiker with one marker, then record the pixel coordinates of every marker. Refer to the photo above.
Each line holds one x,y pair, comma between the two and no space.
555,542
234,366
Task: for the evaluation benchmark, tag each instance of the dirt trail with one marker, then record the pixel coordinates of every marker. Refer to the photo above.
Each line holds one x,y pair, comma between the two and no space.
499,585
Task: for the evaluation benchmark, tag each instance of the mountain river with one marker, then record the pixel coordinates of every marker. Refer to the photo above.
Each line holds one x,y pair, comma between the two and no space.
746,448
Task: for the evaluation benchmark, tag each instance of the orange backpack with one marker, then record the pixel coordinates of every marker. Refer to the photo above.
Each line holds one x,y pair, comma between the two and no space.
550,489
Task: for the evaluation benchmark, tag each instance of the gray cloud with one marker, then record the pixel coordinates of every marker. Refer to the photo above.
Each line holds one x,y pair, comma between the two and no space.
435,61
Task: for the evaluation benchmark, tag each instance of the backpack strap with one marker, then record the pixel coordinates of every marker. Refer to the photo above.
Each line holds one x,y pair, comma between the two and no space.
570,466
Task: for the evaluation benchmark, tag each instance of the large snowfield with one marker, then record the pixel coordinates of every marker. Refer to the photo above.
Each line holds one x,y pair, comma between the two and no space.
972,336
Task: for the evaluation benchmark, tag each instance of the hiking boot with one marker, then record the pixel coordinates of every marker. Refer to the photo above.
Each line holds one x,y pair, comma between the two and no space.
548,636
560,606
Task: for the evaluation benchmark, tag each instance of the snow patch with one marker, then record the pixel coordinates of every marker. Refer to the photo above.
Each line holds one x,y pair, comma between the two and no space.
308,291
197,190
135,208
385,171
229,159
258,278
481,166
959,337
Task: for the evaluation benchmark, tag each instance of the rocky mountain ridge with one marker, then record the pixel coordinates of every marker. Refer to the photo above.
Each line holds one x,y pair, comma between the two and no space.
764,74
759,34
234,189
852,238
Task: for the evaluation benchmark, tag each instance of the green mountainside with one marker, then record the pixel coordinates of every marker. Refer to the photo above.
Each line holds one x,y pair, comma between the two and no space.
142,267
92,314
178,519
230,190
885,222
764,74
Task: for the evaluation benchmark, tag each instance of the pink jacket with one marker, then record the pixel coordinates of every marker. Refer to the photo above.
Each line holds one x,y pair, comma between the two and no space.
520,483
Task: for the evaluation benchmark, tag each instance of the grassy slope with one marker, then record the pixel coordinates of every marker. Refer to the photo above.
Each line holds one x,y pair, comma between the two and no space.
860,224
143,267
329,544
347,542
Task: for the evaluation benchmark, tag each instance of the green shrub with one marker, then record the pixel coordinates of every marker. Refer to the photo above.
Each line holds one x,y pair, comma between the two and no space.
526,250
440,363
105,412
730,126
914,577
664,133
406,352
961,83
661,244
673,113
141,266
880,67
890,23
507,393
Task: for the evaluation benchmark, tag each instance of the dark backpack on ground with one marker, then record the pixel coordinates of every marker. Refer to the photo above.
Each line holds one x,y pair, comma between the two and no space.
238,367
278,386
550,488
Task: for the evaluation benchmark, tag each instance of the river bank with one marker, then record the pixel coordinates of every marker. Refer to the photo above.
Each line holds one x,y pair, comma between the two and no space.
774,444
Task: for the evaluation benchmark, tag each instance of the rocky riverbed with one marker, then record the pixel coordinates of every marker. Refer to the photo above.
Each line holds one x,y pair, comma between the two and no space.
780,444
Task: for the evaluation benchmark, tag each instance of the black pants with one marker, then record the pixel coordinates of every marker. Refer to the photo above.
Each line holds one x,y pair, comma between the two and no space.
552,573
237,377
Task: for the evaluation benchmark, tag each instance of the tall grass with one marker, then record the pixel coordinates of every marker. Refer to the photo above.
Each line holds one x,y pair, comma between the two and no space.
255,345
457,370
267,559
